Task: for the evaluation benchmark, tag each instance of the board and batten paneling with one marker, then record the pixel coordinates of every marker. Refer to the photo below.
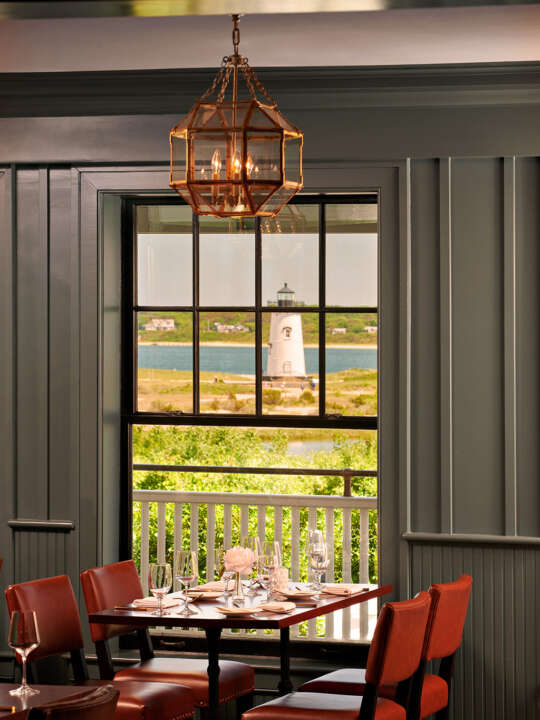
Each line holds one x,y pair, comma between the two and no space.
498,666
527,222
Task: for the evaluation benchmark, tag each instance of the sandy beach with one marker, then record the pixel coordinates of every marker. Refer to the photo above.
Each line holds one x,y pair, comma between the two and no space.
339,346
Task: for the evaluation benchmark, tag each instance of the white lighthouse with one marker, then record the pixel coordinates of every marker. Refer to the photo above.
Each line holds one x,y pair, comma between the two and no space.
286,344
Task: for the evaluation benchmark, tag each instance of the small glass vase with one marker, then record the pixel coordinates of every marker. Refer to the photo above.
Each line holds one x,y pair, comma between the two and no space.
238,594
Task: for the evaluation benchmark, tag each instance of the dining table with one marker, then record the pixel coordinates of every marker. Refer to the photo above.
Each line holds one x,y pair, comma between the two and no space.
16,707
207,617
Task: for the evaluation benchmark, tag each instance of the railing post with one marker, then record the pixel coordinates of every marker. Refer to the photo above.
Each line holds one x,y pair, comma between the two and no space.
347,483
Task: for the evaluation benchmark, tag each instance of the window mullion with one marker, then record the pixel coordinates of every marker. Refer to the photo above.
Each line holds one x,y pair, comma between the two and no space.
196,353
258,317
322,304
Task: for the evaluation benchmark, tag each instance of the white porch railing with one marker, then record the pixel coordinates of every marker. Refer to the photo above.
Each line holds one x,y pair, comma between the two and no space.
237,512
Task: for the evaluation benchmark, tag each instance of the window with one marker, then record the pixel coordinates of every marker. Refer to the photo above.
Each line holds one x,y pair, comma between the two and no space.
249,317
250,365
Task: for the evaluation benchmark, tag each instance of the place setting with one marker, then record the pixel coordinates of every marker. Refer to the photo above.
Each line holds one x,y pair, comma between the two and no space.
251,582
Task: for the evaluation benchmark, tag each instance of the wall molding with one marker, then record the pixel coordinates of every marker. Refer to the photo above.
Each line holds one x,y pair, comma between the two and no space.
469,538
42,525
175,90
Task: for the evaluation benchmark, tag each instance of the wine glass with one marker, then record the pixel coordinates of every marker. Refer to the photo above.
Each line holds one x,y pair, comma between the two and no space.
251,542
160,582
269,555
319,559
187,570
225,575
23,639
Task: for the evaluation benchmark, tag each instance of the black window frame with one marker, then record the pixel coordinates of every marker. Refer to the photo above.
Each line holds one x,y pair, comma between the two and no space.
130,416
129,327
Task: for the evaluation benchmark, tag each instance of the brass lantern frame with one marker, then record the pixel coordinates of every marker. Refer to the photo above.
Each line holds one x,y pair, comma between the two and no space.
236,126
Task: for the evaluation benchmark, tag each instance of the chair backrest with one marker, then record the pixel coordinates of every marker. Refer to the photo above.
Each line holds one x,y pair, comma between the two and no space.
449,603
107,586
56,610
396,648
99,704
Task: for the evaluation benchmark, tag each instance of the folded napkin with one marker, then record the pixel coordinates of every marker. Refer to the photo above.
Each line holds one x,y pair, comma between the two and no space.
342,589
278,607
150,603
240,610
217,586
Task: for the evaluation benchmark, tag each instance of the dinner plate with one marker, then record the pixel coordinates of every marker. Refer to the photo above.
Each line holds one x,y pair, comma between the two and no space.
232,611
199,595
279,608
296,594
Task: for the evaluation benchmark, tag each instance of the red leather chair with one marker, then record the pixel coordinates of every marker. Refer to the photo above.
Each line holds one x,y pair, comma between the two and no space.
394,657
118,584
430,693
98,704
60,632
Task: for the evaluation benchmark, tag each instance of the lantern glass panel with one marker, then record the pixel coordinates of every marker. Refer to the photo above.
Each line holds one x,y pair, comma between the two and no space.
280,120
184,193
278,199
260,193
226,113
293,159
264,156
206,115
222,199
260,119
178,158
208,156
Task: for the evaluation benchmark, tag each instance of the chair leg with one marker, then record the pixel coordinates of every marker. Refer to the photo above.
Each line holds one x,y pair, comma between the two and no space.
243,704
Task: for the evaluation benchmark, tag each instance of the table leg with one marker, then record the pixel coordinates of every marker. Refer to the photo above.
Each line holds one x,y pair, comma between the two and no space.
285,684
212,637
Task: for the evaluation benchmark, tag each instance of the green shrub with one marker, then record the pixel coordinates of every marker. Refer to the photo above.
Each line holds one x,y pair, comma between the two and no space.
271,396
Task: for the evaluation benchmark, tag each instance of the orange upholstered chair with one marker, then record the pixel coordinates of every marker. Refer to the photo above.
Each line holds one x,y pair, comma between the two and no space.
118,584
98,704
444,632
60,632
394,657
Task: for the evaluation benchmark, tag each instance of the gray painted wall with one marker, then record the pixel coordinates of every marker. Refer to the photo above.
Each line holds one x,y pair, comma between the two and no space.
461,409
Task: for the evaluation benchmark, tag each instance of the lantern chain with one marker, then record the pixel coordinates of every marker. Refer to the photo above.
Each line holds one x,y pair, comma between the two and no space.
224,75
252,80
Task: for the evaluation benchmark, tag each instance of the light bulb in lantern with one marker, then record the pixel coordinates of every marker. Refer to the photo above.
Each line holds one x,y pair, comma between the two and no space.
249,165
216,164
236,165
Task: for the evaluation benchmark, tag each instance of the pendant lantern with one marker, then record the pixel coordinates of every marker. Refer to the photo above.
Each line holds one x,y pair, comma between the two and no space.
236,157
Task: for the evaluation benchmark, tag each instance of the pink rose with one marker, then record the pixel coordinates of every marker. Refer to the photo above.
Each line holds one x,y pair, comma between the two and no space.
239,559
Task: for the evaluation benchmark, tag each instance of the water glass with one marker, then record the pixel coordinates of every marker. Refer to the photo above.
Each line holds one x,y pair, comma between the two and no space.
160,583
319,560
23,639
269,560
187,570
226,576
252,543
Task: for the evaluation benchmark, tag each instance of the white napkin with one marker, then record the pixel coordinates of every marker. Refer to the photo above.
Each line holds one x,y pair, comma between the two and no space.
341,589
240,610
150,603
217,586
278,607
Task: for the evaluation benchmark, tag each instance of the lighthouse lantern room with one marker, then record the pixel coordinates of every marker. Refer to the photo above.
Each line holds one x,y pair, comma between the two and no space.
286,344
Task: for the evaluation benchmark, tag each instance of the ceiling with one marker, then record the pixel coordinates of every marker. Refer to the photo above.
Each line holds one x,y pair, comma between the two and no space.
162,8
421,36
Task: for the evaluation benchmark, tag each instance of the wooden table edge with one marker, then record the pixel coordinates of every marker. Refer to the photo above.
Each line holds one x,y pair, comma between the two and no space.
127,617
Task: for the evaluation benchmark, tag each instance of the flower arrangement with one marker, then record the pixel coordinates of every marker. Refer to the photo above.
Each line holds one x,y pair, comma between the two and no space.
239,559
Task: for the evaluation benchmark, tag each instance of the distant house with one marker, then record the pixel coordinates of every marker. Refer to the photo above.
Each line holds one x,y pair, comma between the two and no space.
222,328
339,331
371,329
159,324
